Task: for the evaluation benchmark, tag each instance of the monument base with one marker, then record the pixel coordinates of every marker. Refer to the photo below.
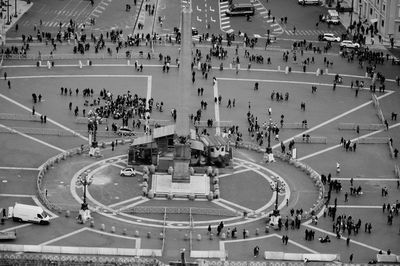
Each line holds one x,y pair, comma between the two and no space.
162,185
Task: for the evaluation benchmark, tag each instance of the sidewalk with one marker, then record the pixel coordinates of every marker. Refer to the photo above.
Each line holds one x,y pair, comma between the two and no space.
22,8
145,19
372,43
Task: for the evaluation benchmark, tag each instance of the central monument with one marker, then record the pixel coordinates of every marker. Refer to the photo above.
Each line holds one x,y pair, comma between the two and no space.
182,152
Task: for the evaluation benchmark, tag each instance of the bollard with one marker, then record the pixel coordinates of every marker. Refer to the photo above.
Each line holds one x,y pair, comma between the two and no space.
230,66
326,70
112,229
317,73
267,229
80,64
186,237
67,213
148,234
129,62
366,74
124,232
211,236
136,233
48,65
161,236
223,236
257,231
279,68
103,227
286,70
88,62
91,223
198,237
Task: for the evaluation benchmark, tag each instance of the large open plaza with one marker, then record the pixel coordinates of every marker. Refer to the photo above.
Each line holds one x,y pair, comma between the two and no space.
329,115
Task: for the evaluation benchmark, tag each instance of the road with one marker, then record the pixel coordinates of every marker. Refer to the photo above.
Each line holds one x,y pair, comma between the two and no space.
51,16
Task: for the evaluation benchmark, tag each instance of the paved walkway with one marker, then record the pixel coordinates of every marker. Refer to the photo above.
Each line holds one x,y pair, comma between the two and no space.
22,8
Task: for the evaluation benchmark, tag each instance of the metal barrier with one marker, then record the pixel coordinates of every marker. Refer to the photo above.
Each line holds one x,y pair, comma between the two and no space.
294,126
378,108
84,120
397,171
23,259
353,126
20,117
310,140
180,210
38,131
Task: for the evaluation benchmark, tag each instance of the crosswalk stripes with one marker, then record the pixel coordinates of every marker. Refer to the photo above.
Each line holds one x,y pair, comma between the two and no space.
310,32
224,21
263,11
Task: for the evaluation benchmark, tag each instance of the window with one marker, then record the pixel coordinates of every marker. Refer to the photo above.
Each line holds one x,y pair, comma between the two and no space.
382,23
370,11
383,7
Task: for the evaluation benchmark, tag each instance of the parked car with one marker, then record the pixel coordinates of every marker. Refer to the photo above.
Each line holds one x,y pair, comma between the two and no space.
240,10
395,61
128,172
349,44
125,131
329,37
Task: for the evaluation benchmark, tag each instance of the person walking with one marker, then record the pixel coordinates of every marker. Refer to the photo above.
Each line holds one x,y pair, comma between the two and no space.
256,251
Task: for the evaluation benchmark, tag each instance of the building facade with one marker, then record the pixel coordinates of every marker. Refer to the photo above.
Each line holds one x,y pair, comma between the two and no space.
384,15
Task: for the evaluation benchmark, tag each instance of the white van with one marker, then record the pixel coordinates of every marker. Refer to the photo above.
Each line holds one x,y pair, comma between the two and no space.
28,213
332,17
309,2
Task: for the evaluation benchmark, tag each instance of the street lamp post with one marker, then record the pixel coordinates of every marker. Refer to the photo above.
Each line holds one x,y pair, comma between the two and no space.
15,13
85,181
92,126
8,12
269,128
351,14
276,211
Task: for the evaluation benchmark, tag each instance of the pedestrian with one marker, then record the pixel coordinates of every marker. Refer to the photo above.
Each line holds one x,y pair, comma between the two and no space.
346,197
33,110
256,251
112,145
351,258
209,229
348,241
5,75
244,233
9,84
